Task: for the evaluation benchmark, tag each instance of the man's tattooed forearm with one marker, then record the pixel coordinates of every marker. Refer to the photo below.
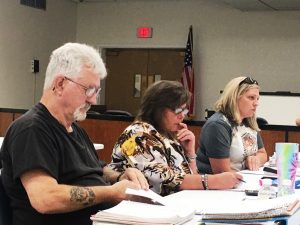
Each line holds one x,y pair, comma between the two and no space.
83,195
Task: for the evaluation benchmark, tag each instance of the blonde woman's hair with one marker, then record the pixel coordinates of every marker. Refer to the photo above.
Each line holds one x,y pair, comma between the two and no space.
228,101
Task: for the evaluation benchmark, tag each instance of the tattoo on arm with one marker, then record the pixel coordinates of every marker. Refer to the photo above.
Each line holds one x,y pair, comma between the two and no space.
83,195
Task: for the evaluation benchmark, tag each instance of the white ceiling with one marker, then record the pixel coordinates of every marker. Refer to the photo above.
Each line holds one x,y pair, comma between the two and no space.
264,5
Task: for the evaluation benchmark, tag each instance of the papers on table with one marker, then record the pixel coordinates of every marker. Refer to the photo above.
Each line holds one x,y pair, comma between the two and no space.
213,204
262,172
254,209
202,200
132,212
252,182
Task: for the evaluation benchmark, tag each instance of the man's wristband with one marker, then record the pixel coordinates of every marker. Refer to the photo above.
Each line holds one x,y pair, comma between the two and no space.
119,176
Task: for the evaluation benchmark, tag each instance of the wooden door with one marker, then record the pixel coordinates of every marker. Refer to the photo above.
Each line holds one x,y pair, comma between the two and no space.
124,64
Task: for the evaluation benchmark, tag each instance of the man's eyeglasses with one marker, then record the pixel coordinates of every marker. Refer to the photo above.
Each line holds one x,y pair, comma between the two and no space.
184,111
248,80
89,91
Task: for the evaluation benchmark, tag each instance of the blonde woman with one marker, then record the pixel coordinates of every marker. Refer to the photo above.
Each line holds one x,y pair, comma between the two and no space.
230,140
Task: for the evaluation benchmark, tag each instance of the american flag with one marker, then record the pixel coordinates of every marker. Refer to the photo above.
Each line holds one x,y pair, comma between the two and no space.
187,78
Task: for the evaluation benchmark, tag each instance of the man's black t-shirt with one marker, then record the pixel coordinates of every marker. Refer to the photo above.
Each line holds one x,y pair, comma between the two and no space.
38,141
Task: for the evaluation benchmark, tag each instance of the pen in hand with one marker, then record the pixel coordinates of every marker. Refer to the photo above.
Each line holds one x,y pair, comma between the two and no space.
242,180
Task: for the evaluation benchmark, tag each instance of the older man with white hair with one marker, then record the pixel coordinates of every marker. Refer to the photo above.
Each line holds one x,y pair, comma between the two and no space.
51,171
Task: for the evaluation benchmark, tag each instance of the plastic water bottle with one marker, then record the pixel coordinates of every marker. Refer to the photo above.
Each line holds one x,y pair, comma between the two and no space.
267,191
286,188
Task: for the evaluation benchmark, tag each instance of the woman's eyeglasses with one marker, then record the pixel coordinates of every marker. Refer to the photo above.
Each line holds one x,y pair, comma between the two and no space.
184,111
248,80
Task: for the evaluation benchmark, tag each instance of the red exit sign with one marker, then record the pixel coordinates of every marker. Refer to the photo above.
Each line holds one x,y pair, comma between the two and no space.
144,32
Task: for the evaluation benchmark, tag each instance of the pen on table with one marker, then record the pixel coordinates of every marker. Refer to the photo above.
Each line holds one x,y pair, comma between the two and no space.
270,170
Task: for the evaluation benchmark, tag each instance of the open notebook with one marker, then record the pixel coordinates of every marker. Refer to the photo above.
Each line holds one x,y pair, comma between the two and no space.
226,205
132,212
254,209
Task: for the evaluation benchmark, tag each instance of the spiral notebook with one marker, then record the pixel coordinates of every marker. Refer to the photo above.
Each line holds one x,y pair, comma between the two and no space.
235,205
253,209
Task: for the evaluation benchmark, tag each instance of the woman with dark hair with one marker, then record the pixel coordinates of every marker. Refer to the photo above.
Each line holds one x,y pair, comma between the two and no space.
230,139
162,147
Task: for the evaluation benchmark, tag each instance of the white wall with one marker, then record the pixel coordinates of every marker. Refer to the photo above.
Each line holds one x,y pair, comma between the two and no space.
27,33
279,110
227,42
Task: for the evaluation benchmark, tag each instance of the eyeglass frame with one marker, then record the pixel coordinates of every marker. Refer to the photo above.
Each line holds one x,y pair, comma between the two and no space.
248,80
89,91
179,110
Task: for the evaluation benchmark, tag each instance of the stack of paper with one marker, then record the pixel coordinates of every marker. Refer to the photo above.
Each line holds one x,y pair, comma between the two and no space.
129,212
233,205
132,212
254,209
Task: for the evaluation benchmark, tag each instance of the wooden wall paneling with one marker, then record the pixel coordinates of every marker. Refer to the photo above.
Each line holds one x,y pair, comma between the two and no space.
107,132
6,119
17,115
294,137
104,132
270,137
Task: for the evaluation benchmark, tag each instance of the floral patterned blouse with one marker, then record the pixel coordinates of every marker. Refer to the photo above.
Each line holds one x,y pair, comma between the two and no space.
159,158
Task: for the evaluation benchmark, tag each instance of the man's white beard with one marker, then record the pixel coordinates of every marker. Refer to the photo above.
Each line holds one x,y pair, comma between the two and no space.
80,112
